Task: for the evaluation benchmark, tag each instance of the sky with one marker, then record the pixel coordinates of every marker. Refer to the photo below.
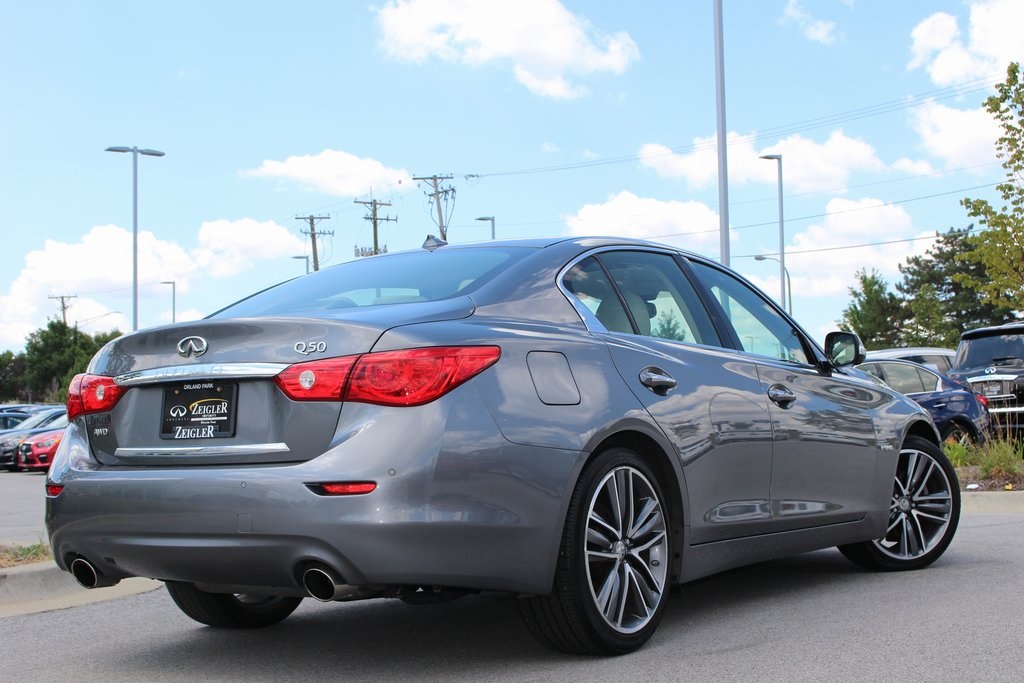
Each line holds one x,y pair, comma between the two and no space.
556,118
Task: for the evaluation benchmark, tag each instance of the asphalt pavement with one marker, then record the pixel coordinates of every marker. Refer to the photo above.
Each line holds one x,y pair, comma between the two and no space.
42,587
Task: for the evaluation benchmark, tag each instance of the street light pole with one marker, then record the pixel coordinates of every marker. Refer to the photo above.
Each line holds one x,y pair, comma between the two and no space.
782,237
307,262
491,219
174,304
135,222
789,283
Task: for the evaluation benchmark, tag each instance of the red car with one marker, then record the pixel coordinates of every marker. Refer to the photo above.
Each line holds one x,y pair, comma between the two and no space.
36,452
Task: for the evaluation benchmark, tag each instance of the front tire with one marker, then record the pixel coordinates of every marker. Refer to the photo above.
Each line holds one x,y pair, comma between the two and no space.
227,610
923,512
612,577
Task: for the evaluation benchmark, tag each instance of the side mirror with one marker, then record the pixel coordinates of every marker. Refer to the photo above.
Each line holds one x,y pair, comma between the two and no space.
844,348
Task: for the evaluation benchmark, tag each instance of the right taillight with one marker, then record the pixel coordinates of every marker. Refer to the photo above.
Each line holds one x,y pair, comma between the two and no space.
92,394
409,377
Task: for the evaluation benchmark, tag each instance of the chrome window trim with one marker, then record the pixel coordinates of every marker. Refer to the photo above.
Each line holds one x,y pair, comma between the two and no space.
203,370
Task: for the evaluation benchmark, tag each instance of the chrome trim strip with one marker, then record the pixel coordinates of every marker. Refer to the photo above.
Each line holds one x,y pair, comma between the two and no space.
246,449
992,378
202,370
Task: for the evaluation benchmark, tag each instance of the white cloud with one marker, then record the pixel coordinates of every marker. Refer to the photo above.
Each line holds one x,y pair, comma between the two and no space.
690,225
542,42
818,271
958,137
994,39
97,272
227,248
808,166
333,172
913,166
815,30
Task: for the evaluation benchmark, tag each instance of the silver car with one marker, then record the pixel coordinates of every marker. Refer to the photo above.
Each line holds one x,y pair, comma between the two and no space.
582,423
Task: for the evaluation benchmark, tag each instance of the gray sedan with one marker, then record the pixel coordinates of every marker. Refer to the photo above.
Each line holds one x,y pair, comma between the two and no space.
582,423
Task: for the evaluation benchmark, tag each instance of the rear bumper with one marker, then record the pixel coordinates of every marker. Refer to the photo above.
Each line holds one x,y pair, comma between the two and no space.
489,518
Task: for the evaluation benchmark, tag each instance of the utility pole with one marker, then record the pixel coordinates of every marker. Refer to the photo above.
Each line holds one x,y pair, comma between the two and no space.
312,234
438,194
374,218
64,305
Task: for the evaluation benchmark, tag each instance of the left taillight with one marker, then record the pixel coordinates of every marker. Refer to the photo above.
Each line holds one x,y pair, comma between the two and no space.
408,377
92,394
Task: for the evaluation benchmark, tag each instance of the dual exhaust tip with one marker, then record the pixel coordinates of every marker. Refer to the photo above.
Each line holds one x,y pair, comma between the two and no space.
320,581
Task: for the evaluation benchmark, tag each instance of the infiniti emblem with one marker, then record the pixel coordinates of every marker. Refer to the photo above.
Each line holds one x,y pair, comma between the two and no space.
192,346
990,371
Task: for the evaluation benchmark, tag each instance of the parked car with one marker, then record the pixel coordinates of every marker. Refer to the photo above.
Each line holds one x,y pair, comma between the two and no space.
960,414
582,423
9,419
36,451
938,359
990,360
42,420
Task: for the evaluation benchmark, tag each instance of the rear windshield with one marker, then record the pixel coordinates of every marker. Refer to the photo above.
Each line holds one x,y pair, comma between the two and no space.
1001,349
392,279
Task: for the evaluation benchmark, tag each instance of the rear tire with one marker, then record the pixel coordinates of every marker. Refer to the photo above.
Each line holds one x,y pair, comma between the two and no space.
612,577
923,512
226,610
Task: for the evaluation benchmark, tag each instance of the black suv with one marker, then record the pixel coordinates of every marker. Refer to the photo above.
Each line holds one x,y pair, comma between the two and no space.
990,360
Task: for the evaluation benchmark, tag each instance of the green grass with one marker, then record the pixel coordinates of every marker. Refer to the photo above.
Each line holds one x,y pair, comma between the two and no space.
14,555
997,458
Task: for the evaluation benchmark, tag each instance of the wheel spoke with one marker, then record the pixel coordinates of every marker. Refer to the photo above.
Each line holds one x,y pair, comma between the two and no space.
920,508
626,550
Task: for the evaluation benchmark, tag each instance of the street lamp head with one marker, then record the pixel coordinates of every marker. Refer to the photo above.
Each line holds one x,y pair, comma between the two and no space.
151,152
775,157
485,218
118,149
759,257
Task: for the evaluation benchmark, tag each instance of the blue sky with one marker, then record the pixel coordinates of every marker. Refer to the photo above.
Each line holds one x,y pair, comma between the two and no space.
556,118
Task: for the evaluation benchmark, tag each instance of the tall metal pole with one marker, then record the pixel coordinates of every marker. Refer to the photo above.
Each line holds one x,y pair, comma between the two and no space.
135,222
135,238
723,170
782,239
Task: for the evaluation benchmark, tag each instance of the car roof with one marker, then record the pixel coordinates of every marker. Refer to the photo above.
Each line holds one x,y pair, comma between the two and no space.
1009,328
910,351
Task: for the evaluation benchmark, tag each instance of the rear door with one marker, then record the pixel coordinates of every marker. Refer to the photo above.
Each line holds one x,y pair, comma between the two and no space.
707,401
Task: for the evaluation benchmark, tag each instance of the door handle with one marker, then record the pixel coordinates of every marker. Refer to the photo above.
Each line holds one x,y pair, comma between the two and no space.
939,406
780,395
657,380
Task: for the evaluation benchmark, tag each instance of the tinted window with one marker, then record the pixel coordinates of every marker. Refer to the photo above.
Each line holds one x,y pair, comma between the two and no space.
760,328
396,278
650,296
1000,349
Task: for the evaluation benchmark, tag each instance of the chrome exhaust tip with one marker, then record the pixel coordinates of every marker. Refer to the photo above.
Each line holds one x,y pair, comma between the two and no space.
88,576
326,585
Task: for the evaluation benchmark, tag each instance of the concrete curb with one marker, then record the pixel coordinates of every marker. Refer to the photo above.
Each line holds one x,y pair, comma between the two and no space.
42,587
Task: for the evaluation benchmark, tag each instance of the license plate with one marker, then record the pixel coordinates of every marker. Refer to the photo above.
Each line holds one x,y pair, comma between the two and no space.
993,389
199,410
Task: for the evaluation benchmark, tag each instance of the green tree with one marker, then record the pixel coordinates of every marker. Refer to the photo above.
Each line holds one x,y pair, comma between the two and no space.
936,288
12,371
877,315
1000,247
54,354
